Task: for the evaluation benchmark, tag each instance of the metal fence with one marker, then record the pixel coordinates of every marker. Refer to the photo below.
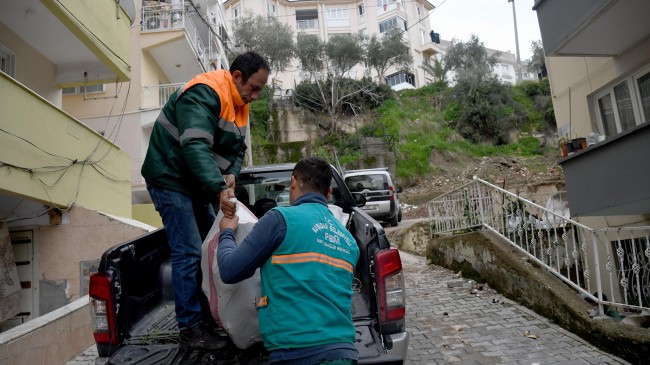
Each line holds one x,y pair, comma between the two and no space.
609,266
156,96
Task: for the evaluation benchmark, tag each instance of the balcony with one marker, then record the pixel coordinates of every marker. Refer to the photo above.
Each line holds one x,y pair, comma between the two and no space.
155,96
611,177
85,44
428,49
307,24
180,42
50,158
592,27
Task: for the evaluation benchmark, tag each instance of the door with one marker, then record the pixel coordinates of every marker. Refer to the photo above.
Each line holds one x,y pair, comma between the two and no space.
22,243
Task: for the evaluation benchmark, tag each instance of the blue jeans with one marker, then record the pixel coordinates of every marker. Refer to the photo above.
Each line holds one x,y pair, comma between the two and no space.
187,221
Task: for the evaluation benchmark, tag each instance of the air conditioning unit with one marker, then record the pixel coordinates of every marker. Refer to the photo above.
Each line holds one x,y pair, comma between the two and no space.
152,23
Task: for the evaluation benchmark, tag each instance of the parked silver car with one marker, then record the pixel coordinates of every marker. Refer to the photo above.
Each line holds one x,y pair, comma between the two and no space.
382,196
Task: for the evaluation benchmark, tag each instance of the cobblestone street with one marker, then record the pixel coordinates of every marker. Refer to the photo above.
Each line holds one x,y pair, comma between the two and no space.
453,326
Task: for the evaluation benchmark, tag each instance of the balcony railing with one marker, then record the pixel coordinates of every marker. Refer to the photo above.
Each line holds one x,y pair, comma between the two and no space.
307,24
156,96
162,16
609,266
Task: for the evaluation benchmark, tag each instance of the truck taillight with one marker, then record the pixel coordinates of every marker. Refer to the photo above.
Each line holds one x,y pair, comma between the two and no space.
390,285
391,192
101,309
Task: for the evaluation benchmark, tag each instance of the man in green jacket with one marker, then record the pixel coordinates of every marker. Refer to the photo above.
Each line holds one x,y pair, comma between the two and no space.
195,154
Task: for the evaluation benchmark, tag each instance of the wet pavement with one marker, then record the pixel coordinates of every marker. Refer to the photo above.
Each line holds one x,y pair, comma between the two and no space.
463,326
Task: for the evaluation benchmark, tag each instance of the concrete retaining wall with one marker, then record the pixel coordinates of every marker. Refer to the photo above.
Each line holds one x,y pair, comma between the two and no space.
52,339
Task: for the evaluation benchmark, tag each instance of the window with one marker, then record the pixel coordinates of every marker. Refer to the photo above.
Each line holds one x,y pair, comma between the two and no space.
391,23
270,9
419,12
423,37
624,105
338,17
7,61
307,19
362,10
643,83
236,13
400,78
89,89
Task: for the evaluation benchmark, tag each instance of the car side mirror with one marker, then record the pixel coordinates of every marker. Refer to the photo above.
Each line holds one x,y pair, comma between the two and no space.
360,199
399,189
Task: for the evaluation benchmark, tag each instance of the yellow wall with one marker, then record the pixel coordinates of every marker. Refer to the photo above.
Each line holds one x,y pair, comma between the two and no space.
102,26
146,213
59,146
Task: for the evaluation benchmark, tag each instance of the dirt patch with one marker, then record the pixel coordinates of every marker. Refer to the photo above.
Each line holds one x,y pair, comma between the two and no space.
453,170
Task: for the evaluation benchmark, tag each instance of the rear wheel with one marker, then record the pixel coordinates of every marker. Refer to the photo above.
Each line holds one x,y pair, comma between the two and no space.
399,215
393,222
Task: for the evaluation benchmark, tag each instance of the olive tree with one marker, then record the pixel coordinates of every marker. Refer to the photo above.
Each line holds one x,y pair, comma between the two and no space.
266,36
389,51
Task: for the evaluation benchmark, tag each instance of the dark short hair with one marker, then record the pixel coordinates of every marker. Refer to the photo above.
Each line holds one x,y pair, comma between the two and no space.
313,174
249,63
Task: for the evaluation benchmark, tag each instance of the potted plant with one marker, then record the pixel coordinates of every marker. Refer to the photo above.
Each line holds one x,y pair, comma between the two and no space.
566,146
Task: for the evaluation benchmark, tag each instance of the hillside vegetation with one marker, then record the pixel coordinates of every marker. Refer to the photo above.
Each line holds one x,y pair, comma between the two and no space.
440,136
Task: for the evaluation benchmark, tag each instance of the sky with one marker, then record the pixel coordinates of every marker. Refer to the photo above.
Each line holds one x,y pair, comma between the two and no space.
490,20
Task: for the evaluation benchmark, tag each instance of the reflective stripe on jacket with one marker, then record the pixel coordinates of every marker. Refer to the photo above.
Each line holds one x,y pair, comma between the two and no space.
306,292
198,137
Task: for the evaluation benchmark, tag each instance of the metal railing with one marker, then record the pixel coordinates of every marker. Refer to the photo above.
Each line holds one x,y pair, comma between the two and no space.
307,24
610,266
156,96
163,17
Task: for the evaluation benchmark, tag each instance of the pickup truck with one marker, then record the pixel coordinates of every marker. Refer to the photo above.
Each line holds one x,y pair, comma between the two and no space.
132,305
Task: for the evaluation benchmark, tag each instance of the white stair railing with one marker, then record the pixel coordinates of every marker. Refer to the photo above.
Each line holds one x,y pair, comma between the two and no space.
609,266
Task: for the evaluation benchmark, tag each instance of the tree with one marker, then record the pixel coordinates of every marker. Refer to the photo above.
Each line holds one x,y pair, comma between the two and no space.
479,100
329,63
343,51
437,70
310,52
537,62
266,36
389,52
470,59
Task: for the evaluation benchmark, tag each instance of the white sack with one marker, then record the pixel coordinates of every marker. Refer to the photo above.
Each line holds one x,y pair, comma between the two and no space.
234,307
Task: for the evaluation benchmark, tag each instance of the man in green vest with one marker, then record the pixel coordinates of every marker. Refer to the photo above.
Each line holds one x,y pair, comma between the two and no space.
307,260
195,153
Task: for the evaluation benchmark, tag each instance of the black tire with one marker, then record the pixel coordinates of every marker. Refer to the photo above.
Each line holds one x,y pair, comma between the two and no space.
394,221
399,215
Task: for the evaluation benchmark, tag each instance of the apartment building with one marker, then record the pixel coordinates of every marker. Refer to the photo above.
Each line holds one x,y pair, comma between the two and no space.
598,61
61,180
326,18
170,42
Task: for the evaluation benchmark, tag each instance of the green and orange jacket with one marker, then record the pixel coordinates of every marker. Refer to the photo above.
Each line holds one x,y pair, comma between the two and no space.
198,137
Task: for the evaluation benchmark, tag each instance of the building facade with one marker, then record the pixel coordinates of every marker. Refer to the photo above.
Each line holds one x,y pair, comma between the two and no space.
367,17
598,61
171,42
57,173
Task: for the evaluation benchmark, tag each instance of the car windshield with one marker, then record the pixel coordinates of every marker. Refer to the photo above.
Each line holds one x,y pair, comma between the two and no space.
262,191
370,182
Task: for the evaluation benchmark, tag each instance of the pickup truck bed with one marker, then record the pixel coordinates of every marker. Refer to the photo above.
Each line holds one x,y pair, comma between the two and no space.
133,308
